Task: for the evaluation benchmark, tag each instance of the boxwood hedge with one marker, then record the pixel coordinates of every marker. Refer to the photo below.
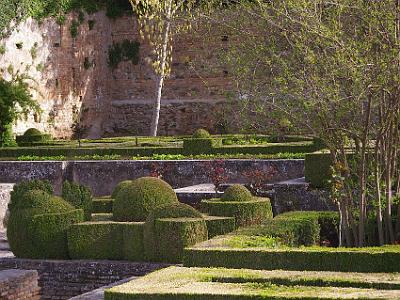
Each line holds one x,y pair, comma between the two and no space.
364,260
106,240
246,213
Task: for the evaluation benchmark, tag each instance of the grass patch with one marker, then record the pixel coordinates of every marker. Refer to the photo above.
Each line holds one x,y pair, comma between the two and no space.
199,284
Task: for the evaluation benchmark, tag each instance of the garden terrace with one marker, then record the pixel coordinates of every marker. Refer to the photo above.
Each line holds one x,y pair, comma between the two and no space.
197,283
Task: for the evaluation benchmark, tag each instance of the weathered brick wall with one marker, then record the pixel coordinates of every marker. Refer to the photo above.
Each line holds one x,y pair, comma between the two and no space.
103,176
65,85
65,279
19,285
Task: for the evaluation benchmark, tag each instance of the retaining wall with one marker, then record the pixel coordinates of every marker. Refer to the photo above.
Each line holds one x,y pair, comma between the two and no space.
103,176
19,285
60,280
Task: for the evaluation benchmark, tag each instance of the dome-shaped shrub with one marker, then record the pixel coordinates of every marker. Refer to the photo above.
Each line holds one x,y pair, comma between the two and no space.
163,242
201,134
32,132
120,186
37,223
237,193
135,200
23,187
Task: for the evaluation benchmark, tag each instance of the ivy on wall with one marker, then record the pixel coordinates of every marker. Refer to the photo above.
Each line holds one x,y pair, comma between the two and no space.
125,51
40,9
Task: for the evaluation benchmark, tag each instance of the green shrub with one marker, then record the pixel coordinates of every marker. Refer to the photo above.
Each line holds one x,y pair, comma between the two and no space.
32,137
106,240
246,213
198,146
120,186
135,201
102,205
35,235
219,225
201,134
365,260
237,193
25,186
50,233
32,132
317,169
174,235
328,222
152,237
79,196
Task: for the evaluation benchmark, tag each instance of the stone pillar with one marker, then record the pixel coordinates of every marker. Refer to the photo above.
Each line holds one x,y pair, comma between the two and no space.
5,190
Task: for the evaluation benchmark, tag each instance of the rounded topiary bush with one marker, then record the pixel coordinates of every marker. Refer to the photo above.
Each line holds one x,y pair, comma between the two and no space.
135,200
201,134
23,187
120,186
32,137
237,193
37,225
32,132
181,225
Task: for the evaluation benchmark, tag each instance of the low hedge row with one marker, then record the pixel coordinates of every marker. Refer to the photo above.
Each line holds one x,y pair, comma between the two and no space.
306,147
219,225
364,260
245,212
174,235
106,240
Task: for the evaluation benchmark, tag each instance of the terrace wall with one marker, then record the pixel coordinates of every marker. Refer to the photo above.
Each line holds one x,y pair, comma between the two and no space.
103,176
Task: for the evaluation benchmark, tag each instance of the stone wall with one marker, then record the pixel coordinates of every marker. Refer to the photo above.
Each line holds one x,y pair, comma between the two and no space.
109,101
103,176
19,285
65,279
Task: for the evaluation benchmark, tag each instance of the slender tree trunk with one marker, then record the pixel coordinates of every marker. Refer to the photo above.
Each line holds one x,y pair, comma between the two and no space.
161,76
378,195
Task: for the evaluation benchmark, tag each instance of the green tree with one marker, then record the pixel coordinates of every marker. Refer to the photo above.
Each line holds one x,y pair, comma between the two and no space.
332,68
15,101
159,22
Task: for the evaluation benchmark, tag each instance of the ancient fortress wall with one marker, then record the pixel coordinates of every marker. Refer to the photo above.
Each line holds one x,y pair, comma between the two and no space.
72,75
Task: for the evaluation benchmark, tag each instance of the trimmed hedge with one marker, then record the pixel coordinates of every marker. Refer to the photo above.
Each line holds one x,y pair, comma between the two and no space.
246,213
318,169
174,235
367,260
102,205
198,146
237,193
25,186
71,152
327,221
152,238
33,235
79,196
201,134
32,137
106,240
135,200
50,233
119,187
219,225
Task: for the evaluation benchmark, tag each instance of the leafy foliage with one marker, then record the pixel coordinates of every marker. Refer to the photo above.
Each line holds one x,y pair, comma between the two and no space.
124,51
15,100
79,196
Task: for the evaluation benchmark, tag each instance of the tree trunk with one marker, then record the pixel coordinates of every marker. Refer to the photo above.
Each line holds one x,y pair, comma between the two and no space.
161,76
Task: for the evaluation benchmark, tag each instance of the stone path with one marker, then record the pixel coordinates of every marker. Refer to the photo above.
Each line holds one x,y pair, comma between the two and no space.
99,293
